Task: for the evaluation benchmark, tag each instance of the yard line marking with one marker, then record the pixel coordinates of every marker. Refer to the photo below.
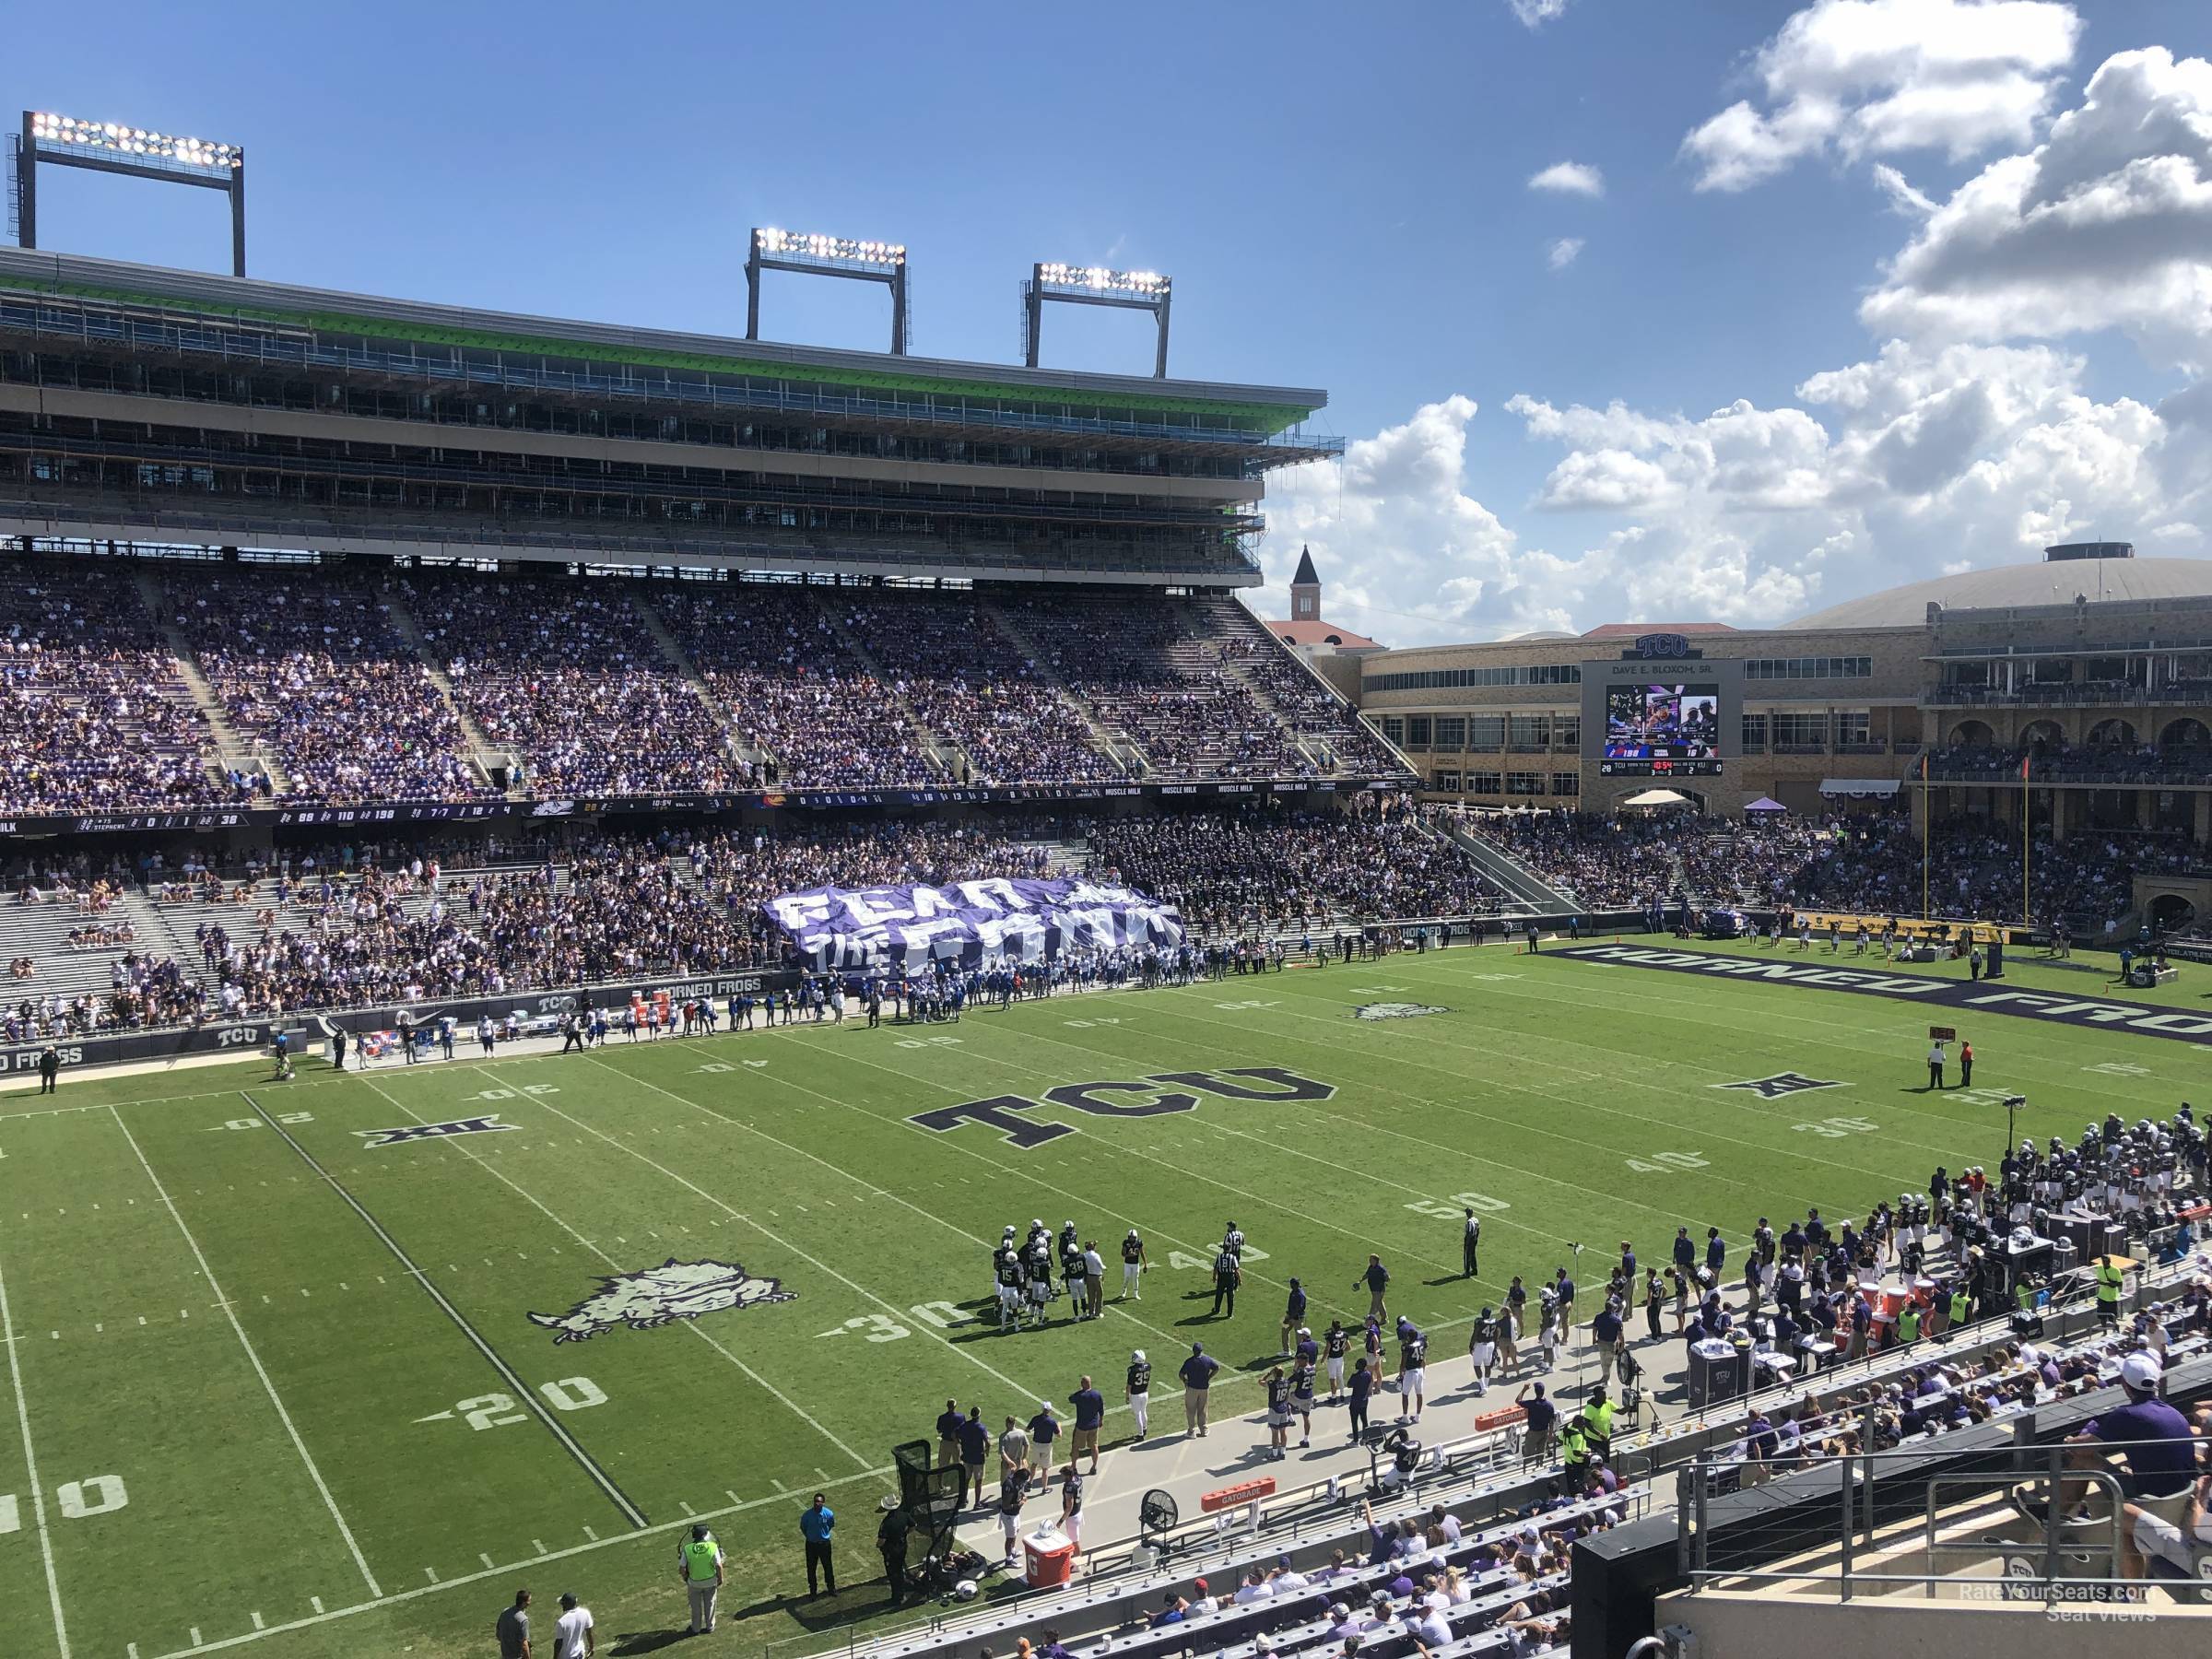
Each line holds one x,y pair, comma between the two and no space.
731,1496
485,1556
611,1261
560,1221
591,1535
195,1635
534,1544
30,1467
260,1623
432,1573
1035,1179
268,1387
689,1510
315,1602
817,1262
521,1390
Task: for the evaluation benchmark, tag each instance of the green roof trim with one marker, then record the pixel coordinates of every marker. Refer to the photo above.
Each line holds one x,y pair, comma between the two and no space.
1265,419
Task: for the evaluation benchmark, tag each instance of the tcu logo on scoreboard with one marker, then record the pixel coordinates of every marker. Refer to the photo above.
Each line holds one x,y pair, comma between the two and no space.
1662,645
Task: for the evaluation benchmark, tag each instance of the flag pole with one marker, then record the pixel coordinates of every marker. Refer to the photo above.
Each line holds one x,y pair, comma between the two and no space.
2027,919
1926,813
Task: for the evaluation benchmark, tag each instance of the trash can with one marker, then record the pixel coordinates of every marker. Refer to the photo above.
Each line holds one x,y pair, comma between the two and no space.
1052,1557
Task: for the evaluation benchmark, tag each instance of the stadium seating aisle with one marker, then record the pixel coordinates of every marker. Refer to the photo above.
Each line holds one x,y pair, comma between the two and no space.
793,691
969,683
567,677
312,664
93,714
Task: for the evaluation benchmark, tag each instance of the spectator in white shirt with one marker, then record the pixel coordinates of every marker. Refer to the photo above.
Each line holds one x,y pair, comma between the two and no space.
1255,1587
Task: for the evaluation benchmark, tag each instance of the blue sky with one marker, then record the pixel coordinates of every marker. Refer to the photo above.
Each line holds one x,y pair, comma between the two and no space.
1344,201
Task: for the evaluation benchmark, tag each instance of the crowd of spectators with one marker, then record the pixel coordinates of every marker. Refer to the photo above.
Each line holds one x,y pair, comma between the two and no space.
94,715
1865,863
1601,863
568,678
329,675
2115,763
972,686
1305,705
1152,667
1260,870
601,908
793,691
312,665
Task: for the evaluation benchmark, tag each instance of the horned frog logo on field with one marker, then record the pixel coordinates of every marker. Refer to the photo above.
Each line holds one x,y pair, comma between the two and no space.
1396,1010
653,1297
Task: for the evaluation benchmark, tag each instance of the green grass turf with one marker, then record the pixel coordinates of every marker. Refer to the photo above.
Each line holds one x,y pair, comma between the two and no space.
199,1315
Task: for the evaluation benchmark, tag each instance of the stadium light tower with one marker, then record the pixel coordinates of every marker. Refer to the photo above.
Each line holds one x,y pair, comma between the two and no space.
1094,285
110,147
826,256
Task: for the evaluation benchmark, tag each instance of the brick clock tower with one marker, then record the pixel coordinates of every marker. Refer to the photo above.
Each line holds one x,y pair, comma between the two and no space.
1305,590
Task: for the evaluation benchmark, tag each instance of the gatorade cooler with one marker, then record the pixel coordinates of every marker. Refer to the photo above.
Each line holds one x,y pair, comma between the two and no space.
1052,1557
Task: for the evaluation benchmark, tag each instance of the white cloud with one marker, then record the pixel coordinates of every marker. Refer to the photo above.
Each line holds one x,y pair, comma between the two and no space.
1867,78
2107,224
1535,13
1570,178
1913,460
1561,253
1969,437
1903,198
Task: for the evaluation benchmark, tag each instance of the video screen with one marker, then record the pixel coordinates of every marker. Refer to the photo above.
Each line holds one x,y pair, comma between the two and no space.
1663,723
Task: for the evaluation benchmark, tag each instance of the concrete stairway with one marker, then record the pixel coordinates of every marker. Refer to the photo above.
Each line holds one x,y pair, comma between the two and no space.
232,752
945,755
680,660
1515,879
1116,745
482,753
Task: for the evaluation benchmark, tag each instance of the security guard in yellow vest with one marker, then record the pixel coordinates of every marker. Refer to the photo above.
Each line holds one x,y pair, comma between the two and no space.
698,1563
1962,1308
1596,1423
2111,1276
1574,1452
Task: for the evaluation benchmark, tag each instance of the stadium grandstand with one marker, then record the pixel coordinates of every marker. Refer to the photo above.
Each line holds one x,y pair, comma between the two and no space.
383,672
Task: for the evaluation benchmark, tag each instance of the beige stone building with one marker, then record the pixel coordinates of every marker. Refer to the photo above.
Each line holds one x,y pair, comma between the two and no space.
2093,666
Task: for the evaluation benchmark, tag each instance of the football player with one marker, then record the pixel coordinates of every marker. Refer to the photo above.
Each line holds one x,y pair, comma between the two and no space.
1009,1282
1133,1267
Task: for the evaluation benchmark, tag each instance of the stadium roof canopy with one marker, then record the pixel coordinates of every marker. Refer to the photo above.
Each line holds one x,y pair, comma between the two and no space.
329,312
2009,586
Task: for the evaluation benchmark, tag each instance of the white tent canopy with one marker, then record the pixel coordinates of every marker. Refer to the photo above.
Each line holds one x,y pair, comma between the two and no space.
1656,797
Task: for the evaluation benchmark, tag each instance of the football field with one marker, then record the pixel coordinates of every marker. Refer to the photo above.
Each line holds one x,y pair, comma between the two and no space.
335,1365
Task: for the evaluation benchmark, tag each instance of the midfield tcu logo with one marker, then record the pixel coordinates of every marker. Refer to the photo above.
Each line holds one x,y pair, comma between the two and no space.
658,1295
1782,1083
488,1124
1396,1010
1156,1101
